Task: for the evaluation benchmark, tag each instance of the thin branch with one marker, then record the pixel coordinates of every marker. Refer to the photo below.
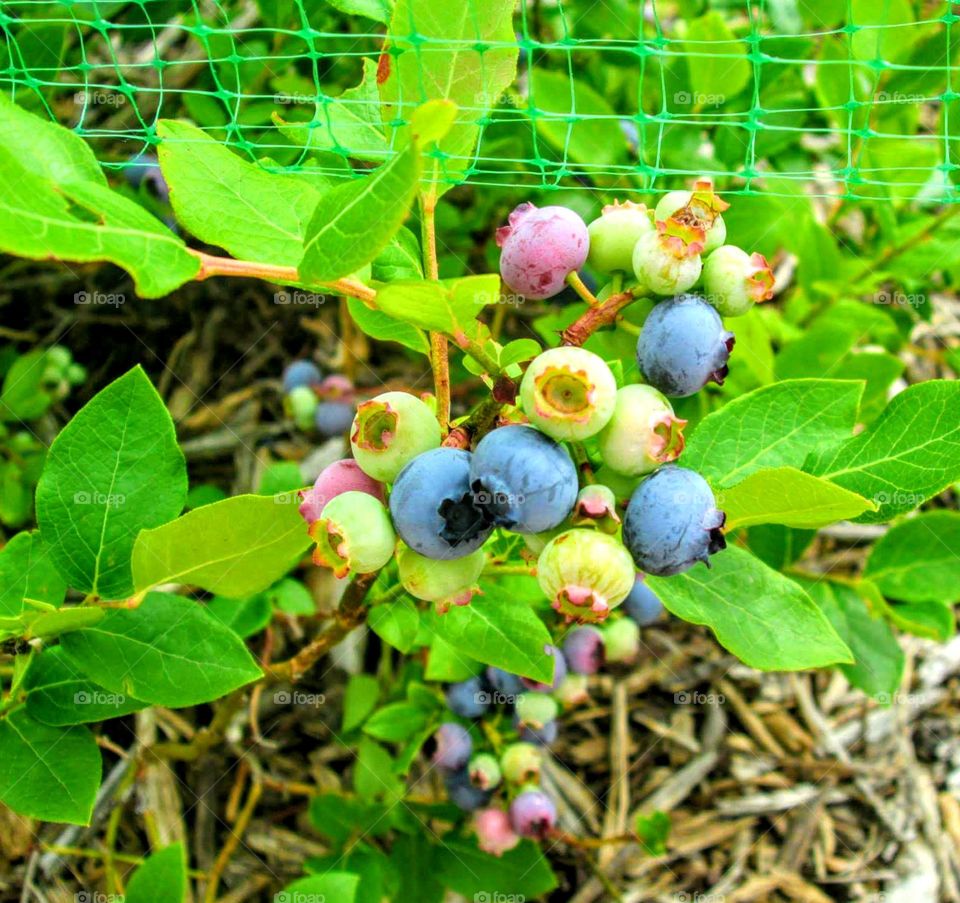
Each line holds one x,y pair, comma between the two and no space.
591,320
439,351
211,265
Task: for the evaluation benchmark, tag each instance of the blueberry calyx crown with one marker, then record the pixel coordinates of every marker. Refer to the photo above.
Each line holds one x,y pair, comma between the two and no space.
464,519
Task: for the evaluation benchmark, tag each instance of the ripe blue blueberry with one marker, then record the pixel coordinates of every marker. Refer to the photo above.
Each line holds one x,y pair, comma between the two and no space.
468,699
506,686
301,373
544,735
525,480
533,814
434,509
333,418
583,650
683,346
462,793
672,522
643,605
559,673
452,747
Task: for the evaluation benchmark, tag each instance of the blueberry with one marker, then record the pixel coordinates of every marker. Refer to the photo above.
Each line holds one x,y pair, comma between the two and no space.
734,280
524,479
583,650
495,835
506,686
535,710
642,434
462,793
621,641
559,673
545,735
484,771
353,535
540,247
434,509
614,234
643,605
683,346
573,691
333,418
520,763
452,747
533,814
701,206
445,582
468,699
668,261
301,373
391,430
672,522
596,507
300,404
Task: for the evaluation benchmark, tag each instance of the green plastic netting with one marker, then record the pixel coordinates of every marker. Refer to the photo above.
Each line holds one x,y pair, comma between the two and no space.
850,99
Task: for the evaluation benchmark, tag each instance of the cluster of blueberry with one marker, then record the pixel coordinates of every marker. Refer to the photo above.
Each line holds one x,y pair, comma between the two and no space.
314,403
472,778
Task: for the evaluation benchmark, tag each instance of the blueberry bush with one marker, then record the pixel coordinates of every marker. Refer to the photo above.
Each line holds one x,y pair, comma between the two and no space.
633,416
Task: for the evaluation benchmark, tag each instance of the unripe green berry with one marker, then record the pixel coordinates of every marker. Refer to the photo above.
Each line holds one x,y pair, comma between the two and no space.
390,430
596,507
701,207
585,574
520,763
443,581
568,393
301,403
353,535
535,709
573,691
484,771
614,234
621,641
734,280
643,432
667,262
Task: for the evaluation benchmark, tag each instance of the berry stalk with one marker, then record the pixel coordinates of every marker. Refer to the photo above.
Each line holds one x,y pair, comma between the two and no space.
603,314
439,358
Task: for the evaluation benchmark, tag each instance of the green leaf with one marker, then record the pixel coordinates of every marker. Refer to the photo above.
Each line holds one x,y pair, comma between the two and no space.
471,61
23,396
930,620
61,208
27,572
500,631
350,123
47,624
778,546
161,878
910,453
879,370
885,32
446,662
59,693
395,722
382,326
917,560
653,831
785,495
878,658
352,223
373,776
167,651
575,119
339,818
378,10
50,773
773,426
396,623
236,547
292,597
333,886
762,617
523,871
517,351
449,306
244,617
230,202
359,700
716,60
400,259
115,469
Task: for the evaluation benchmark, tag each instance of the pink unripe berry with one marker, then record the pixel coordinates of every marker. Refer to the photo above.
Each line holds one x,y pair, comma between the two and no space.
339,477
540,248
596,507
583,650
495,835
